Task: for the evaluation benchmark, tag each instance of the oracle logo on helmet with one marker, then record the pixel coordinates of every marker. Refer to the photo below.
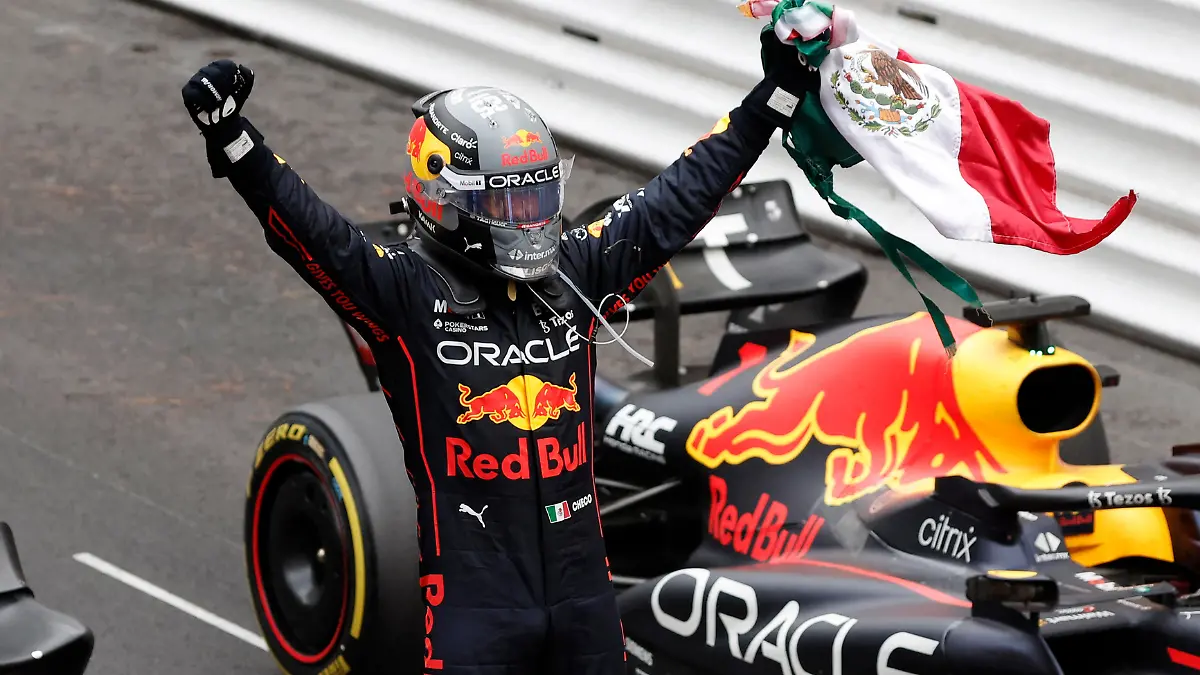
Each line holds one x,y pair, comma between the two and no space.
529,178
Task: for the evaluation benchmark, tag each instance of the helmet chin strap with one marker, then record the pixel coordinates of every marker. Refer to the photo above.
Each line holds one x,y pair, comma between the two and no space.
595,312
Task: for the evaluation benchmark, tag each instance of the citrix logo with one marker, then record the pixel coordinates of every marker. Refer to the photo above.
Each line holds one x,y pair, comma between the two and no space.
939,535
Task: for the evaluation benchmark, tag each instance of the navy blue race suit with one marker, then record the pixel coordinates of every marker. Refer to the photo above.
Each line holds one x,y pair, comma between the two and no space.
494,407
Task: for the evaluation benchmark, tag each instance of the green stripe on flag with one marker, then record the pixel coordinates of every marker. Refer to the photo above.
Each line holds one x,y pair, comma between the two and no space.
800,16
817,147
811,18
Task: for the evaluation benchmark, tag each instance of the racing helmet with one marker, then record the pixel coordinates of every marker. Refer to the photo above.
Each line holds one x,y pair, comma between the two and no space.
484,181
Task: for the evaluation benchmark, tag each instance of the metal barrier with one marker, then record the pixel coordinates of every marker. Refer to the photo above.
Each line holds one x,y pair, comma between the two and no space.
625,78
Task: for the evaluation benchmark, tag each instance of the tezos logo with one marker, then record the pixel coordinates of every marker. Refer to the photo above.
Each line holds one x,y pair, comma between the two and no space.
939,535
1161,496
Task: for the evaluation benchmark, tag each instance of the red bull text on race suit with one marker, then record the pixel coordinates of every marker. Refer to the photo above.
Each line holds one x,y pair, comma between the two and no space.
889,415
552,458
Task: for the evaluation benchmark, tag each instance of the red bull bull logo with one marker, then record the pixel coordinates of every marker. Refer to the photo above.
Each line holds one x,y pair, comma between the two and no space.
416,138
889,414
423,144
522,138
525,401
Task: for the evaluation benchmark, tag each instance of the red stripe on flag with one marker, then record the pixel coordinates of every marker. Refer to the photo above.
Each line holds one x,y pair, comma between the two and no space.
1005,156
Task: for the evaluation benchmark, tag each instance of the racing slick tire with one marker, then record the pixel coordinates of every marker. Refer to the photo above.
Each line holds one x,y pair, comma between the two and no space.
331,541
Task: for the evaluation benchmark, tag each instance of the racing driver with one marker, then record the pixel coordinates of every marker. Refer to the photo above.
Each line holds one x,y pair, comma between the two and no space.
482,326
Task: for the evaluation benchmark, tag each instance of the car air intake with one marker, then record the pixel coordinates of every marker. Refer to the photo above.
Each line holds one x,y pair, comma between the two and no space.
1056,398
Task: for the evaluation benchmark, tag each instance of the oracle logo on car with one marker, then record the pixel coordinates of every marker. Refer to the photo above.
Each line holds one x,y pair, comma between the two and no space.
703,610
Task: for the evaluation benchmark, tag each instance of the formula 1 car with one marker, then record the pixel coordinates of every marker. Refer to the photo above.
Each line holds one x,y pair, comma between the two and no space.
831,495
34,639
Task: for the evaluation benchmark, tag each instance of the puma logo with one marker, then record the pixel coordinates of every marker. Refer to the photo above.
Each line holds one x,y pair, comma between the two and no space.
463,508
468,248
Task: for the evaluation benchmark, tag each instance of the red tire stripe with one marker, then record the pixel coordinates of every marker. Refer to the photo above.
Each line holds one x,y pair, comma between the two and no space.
262,591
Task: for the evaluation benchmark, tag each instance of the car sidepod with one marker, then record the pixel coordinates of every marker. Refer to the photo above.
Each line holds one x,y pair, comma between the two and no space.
820,617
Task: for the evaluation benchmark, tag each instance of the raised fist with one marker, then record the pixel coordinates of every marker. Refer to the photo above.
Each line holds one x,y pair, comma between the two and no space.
216,93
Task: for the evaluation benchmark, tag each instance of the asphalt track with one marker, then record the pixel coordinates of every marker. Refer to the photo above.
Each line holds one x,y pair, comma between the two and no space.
149,336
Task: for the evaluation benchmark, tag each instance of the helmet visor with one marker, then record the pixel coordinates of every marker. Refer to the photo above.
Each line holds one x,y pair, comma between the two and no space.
518,200
527,206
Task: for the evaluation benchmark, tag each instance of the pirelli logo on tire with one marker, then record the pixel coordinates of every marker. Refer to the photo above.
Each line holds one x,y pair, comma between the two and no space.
338,667
288,431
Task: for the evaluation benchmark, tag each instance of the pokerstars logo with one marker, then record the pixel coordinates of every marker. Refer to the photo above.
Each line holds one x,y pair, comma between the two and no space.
942,536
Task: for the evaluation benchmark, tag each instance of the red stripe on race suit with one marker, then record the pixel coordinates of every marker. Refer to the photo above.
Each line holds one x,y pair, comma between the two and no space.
412,369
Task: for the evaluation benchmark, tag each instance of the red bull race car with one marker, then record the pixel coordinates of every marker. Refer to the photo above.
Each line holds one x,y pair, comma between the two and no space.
830,495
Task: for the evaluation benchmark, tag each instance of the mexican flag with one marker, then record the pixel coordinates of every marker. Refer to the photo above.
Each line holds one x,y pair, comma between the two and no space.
558,512
978,166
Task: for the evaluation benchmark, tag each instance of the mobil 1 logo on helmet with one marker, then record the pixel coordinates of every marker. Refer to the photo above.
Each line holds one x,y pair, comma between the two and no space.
735,623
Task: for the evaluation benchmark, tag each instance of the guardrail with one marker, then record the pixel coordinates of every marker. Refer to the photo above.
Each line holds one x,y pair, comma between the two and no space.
625,78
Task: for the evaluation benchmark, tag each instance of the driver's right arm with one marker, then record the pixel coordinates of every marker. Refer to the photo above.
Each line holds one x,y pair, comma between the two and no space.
363,282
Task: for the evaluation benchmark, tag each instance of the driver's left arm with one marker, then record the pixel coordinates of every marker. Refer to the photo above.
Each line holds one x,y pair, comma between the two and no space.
621,253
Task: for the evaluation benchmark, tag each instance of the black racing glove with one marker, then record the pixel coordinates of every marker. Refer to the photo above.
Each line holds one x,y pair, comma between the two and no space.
214,97
786,83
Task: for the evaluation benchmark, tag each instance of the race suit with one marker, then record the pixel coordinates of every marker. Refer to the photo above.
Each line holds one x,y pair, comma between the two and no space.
494,408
